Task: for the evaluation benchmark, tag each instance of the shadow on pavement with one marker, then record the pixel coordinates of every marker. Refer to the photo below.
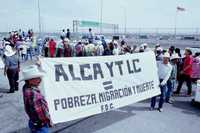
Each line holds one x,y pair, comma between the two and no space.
89,124
146,101
187,108
4,90
129,109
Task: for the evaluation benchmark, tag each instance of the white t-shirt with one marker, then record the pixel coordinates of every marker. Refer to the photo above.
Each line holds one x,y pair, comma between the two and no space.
99,50
116,51
164,71
24,48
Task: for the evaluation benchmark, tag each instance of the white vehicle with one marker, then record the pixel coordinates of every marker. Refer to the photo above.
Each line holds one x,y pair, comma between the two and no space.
196,100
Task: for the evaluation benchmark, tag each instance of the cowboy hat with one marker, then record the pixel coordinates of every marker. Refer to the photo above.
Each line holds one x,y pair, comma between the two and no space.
9,51
145,44
159,49
66,40
166,55
157,45
31,72
141,47
174,56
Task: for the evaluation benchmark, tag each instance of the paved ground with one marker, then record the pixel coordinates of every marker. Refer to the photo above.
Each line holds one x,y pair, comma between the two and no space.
180,117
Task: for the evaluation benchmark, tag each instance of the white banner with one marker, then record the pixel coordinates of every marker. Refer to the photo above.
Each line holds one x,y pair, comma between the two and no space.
79,87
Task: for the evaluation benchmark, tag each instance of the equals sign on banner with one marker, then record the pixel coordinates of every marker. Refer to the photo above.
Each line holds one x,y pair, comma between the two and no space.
107,85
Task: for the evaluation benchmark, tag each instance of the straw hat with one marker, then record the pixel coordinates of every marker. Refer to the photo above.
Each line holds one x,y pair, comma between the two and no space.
31,72
66,40
115,42
141,47
157,45
145,44
166,55
159,49
174,56
99,42
9,51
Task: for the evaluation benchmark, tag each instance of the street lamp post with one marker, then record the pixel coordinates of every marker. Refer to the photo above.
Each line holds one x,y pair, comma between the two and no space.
101,17
178,9
175,24
39,17
125,19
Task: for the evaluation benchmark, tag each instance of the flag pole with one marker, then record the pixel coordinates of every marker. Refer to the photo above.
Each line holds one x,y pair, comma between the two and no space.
39,17
101,17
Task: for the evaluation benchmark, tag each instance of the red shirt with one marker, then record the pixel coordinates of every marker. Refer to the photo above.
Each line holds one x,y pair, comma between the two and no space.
52,48
35,105
187,66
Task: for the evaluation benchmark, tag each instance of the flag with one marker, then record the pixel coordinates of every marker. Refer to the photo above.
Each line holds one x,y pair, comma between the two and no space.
180,9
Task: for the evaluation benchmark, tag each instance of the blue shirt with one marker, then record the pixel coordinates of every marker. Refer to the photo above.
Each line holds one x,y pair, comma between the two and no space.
11,62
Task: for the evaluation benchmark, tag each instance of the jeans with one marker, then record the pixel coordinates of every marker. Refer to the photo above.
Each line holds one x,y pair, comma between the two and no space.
170,88
13,77
46,51
39,50
29,52
1,52
23,57
44,129
162,95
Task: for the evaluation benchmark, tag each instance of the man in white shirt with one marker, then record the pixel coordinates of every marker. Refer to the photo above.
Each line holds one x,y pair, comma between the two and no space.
63,34
164,72
90,36
99,48
116,50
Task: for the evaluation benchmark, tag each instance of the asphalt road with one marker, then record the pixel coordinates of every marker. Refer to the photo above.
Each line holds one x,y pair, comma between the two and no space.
180,117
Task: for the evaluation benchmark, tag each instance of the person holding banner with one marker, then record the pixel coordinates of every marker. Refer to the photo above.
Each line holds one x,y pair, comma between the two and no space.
34,103
164,72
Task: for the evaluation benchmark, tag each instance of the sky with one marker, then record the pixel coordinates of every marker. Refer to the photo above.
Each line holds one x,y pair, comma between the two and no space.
59,14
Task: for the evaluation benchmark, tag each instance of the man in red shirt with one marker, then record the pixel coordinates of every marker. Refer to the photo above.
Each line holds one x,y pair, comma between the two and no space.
186,73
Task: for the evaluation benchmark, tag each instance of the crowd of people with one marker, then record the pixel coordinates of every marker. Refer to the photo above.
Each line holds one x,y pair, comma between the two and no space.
173,68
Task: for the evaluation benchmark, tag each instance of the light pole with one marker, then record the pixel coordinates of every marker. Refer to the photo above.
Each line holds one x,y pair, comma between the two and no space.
101,17
175,24
178,9
125,19
39,17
